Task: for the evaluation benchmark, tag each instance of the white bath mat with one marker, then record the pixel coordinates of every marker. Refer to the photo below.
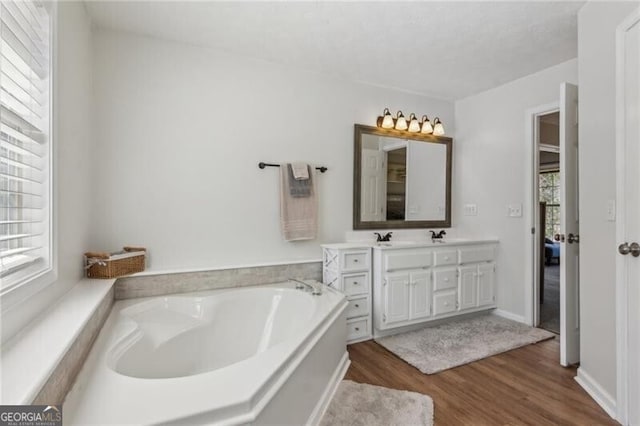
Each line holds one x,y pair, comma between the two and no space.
359,404
434,349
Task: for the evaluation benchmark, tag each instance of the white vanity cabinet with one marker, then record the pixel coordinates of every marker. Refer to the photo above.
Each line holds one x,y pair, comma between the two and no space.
347,267
415,284
407,296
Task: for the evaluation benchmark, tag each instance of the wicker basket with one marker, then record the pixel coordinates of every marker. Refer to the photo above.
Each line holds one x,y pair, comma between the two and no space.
113,265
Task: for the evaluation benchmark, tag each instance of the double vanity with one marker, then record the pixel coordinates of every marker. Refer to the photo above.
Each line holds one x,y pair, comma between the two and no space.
395,286
402,180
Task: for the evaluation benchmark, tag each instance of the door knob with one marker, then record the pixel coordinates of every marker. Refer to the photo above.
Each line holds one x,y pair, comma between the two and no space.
571,238
559,237
626,248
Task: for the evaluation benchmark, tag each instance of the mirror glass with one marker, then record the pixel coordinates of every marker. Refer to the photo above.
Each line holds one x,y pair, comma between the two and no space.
401,180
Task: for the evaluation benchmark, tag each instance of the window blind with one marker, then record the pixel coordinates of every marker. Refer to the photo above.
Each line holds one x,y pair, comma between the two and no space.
25,160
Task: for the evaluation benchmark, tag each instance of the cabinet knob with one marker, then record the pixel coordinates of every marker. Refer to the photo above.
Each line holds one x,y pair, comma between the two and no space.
446,303
355,283
446,258
357,328
355,260
446,280
357,306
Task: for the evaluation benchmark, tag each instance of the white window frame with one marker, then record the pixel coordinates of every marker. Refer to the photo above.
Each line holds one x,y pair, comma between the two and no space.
20,292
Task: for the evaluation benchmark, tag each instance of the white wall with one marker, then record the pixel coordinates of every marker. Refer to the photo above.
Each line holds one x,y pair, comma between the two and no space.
72,166
597,23
490,170
180,131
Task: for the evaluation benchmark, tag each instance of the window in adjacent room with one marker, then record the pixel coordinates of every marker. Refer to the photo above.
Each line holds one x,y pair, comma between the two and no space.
550,194
25,142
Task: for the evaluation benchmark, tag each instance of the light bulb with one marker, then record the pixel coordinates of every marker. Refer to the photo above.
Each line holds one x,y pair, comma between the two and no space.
438,128
426,127
387,120
401,122
414,126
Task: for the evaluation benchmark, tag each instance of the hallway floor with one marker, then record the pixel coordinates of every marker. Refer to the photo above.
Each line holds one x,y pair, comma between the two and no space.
525,386
550,309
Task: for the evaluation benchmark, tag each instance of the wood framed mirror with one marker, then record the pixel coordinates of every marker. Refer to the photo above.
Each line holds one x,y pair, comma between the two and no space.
401,179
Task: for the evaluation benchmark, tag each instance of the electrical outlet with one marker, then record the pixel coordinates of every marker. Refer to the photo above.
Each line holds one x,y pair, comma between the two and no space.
514,210
470,209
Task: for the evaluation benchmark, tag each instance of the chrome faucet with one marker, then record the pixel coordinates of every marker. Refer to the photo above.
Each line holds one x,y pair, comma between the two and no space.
301,285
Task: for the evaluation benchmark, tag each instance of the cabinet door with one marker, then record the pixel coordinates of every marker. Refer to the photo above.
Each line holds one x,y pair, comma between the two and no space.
486,284
396,295
420,294
468,292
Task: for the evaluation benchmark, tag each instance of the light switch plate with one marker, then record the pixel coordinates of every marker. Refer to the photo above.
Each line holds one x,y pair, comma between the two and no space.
470,209
514,210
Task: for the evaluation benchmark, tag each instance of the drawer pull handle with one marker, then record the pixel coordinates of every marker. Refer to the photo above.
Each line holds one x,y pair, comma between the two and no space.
356,283
355,260
357,328
357,306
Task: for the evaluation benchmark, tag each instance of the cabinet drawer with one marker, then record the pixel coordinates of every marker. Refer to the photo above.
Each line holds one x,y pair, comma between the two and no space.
357,329
445,279
358,307
355,284
449,257
408,259
355,260
476,254
444,302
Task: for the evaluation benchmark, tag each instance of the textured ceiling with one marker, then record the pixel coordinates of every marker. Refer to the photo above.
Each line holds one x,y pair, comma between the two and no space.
444,49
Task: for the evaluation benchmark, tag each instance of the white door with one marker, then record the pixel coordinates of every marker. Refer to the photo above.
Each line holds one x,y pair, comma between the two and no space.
420,295
373,205
468,292
628,223
396,303
569,250
486,280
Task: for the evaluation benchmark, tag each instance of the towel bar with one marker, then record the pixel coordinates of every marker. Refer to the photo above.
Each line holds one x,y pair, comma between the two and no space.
262,165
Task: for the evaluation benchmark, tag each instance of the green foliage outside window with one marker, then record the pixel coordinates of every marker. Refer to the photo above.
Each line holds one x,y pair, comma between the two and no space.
549,185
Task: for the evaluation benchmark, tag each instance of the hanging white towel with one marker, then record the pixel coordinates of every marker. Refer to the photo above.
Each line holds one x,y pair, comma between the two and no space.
298,215
300,171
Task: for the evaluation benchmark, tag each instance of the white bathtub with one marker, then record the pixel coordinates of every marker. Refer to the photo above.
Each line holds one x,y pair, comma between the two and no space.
263,355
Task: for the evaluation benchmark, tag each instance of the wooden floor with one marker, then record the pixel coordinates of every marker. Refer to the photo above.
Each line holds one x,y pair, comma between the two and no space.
526,386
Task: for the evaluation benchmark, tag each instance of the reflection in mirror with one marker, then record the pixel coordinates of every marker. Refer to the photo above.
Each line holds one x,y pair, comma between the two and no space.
403,182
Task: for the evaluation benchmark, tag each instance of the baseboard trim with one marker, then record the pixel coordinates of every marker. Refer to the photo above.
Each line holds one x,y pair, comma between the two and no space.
330,391
509,315
596,392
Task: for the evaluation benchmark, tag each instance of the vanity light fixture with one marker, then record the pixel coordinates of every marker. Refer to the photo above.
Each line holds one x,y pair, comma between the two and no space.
401,122
414,126
386,121
438,128
426,127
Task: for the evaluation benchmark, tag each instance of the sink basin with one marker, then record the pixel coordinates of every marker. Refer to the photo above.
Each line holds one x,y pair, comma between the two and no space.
403,243
423,243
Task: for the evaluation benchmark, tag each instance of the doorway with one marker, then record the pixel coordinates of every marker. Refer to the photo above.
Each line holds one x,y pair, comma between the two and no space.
567,211
549,196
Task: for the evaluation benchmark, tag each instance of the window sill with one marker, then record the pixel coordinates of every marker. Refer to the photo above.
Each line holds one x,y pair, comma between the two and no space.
29,358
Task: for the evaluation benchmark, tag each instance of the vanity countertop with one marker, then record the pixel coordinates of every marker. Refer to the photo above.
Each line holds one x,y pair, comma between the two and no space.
395,245
399,244
348,246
